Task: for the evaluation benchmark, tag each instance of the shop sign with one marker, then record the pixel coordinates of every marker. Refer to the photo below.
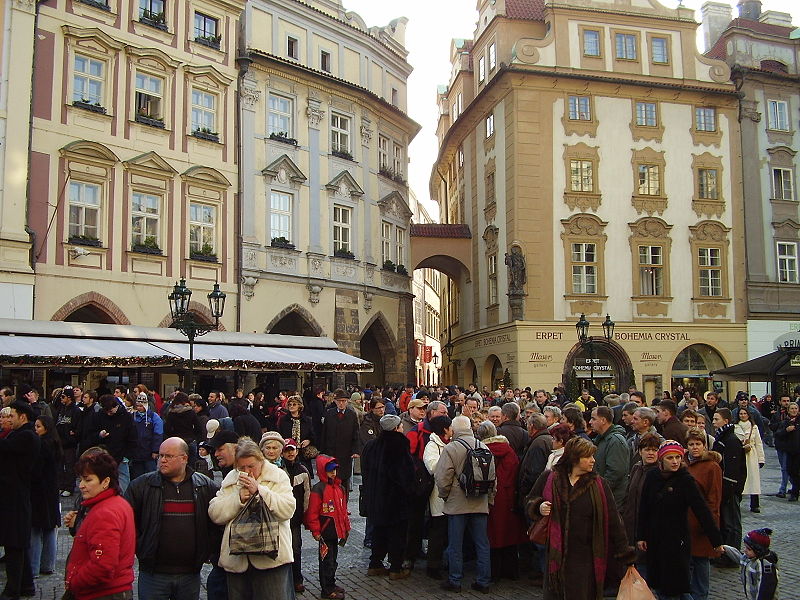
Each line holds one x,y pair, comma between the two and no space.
549,335
587,365
789,341
651,336
492,340
540,357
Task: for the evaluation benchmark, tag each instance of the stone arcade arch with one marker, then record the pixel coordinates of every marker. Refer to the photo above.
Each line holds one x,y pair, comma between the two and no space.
620,363
91,307
378,346
470,373
295,320
492,371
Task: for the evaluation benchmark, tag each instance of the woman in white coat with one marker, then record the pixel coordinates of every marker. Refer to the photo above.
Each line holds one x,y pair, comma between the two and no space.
437,531
748,434
256,576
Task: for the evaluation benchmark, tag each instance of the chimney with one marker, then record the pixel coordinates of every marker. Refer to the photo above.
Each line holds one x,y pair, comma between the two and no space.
716,18
749,9
776,18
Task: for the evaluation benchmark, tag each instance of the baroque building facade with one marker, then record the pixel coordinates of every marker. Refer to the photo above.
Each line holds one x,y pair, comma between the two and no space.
595,156
764,58
325,208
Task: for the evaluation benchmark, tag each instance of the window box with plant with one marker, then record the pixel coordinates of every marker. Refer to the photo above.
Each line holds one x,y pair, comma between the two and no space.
148,246
341,153
85,104
282,136
205,254
84,240
390,173
388,266
153,19
204,133
342,253
401,270
212,41
281,242
150,120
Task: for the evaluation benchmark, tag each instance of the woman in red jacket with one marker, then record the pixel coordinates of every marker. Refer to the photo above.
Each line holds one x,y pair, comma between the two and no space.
100,566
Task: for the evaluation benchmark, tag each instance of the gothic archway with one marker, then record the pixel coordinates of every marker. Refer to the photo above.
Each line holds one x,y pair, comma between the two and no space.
91,307
378,346
295,320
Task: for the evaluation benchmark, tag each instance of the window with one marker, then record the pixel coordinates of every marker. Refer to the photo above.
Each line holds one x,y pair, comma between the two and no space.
386,241
651,271
152,10
581,176
395,96
787,262
481,68
204,116
489,126
579,108
777,115
204,26
659,50
202,228
710,262
626,46
342,218
460,103
398,163
383,152
492,271
280,115
782,184
707,179
87,80
84,210
149,102
460,157
646,115
145,215
325,61
292,48
340,133
649,180
492,56
400,244
591,42
584,268
489,188
280,221
705,118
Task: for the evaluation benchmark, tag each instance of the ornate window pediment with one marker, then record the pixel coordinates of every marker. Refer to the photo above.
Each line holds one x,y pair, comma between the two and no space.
91,38
85,151
208,76
395,206
490,236
205,177
285,171
345,185
150,163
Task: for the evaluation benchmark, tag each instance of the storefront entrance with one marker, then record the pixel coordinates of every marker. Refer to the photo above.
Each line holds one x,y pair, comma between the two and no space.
603,366
690,371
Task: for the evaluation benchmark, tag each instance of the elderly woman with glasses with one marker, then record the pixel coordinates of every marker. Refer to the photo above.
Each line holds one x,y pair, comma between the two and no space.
293,424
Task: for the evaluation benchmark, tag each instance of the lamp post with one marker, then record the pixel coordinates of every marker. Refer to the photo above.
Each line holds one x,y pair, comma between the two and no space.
582,329
185,321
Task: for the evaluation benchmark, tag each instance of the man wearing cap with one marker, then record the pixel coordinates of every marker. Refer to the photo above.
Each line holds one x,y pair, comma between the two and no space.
18,453
30,395
117,434
340,436
174,534
301,487
388,474
149,434
734,475
414,414
67,418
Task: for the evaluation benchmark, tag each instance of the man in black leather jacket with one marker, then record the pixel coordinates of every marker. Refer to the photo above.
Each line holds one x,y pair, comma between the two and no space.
734,474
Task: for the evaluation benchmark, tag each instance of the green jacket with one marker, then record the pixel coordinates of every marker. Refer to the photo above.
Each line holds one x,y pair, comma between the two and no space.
613,462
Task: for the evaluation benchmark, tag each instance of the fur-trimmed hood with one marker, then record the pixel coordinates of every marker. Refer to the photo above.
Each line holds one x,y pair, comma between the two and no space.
707,455
496,439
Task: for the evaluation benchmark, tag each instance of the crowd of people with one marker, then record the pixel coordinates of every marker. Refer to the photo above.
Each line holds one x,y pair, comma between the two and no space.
526,483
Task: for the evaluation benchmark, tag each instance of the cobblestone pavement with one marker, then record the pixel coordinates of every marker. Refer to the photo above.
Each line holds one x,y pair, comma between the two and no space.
777,514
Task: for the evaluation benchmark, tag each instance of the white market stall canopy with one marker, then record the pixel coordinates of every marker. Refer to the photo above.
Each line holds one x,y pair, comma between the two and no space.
60,344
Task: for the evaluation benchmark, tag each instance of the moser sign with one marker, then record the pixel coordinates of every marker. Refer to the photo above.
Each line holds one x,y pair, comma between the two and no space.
789,341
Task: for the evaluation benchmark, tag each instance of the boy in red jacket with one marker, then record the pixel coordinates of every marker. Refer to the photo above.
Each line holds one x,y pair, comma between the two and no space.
328,522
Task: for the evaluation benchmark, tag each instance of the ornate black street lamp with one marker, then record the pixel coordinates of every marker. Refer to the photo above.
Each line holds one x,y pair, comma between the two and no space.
587,341
185,321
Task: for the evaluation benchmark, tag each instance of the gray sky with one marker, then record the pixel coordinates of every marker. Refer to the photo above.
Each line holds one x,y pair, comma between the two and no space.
432,24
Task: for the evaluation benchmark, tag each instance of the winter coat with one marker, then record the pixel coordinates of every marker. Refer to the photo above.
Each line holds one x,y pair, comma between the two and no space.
745,431
68,417
448,470
633,498
674,429
327,504
88,427
534,462
340,439
734,467
217,411
505,526
247,425
101,561
18,453
408,422
387,471
121,439
369,429
181,421
45,505
433,450
276,492
613,462
149,434
285,427
301,488
759,576
663,524
708,475
516,435
788,441
145,495
418,438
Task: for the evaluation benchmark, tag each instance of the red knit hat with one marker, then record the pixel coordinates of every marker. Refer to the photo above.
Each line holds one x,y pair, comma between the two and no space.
670,447
758,540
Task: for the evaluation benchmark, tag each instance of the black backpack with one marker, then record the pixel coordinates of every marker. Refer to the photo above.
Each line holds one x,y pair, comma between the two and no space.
477,473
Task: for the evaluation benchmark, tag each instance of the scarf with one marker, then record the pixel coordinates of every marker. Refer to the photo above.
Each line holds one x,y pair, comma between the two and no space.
296,429
558,491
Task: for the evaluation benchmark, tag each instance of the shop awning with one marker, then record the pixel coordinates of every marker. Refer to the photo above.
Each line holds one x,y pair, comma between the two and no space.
776,364
89,345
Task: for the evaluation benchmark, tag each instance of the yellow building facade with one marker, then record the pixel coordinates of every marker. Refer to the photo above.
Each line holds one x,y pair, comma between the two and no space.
595,156
325,203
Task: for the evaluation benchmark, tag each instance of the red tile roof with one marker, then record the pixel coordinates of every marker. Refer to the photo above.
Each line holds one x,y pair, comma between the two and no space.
440,230
719,51
525,9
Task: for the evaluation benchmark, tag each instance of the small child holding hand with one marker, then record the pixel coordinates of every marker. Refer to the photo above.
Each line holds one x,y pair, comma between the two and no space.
758,565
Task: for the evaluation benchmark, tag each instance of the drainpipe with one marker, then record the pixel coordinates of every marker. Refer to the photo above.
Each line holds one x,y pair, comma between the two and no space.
243,61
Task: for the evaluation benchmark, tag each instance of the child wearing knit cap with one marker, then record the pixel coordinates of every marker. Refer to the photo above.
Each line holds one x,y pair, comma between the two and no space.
758,565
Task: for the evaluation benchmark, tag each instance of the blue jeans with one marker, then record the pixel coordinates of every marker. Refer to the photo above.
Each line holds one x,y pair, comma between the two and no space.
43,550
258,584
165,586
783,461
123,468
476,524
138,468
700,569
217,583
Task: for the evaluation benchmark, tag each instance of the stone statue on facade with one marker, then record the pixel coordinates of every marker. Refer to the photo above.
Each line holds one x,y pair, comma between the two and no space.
516,270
